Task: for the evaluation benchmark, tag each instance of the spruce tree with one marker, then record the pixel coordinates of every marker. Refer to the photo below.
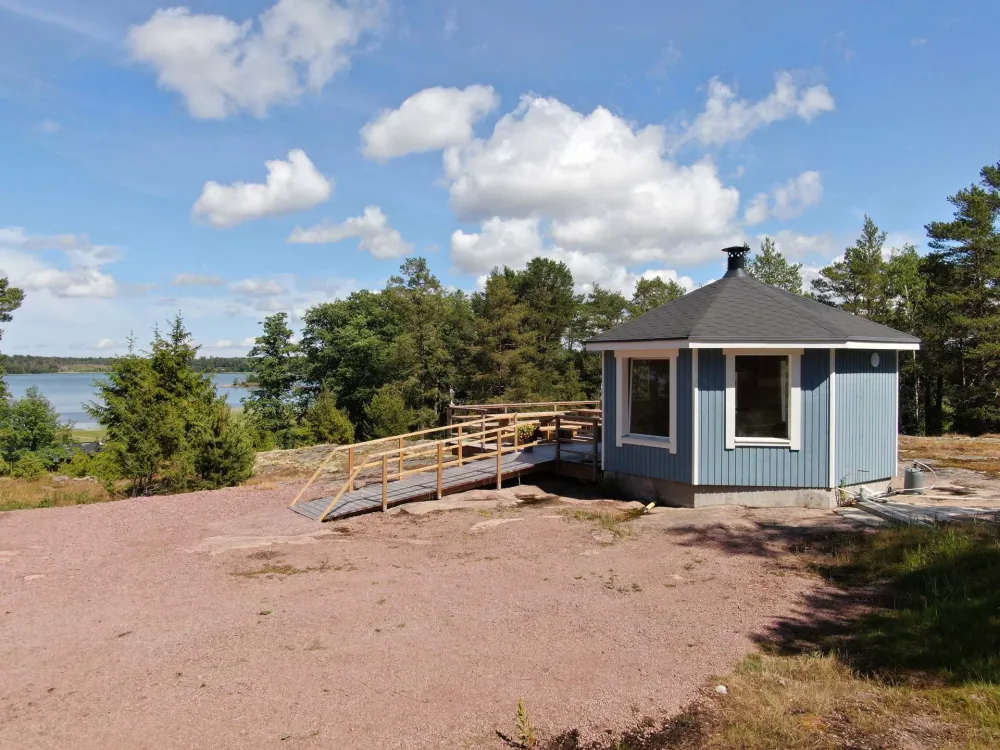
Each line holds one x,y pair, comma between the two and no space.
970,245
275,367
769,266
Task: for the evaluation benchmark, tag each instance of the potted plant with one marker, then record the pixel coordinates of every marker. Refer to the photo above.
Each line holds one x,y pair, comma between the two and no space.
526,434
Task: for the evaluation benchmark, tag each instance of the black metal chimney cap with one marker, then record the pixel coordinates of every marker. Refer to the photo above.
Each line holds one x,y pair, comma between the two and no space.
737,261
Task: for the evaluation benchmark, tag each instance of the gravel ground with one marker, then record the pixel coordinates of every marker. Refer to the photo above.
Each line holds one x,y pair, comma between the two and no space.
141,623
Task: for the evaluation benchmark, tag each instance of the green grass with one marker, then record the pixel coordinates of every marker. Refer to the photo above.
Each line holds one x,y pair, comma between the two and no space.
89,436
916,666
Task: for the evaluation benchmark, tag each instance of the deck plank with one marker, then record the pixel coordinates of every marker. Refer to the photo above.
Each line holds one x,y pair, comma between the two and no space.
475,473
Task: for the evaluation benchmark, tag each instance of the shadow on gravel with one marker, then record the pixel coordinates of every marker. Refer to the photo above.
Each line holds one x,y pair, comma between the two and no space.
910,607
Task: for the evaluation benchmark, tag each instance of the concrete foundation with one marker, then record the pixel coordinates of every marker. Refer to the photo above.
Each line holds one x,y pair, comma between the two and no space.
680,495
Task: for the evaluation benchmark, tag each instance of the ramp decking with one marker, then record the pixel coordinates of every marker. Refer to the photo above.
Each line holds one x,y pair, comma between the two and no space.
417,487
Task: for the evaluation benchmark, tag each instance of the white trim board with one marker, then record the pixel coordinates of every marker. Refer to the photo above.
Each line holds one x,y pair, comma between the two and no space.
832,432
627,346
623,400
695,419
794,441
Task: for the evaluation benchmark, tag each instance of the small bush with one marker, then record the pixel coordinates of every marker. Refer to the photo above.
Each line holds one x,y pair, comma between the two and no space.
387,414
223,456
29,466
328,423
79,466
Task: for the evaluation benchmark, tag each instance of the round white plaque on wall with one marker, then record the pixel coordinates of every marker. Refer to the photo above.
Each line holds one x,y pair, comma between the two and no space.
875,359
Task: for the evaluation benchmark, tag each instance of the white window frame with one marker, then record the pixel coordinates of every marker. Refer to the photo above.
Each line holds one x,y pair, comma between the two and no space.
794,440
623,400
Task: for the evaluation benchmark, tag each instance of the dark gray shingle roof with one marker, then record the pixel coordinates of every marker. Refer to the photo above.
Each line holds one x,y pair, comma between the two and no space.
741,310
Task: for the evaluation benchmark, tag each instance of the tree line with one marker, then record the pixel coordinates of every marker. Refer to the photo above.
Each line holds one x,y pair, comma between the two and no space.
384,362
30,364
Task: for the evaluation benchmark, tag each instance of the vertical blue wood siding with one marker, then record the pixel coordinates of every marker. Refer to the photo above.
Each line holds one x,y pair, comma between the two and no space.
765,467
866,416
642,460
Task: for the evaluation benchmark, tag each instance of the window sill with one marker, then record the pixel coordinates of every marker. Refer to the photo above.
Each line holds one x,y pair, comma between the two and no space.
647,440
763,443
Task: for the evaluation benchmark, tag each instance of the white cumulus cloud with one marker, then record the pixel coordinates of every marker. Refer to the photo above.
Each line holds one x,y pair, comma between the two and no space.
600,184
372,228
788,200
430,120
259,288
727,118
513,242
198,279
292,185
222,67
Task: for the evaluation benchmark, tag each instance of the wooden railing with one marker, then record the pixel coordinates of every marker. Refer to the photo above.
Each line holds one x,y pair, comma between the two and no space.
471,438
472,412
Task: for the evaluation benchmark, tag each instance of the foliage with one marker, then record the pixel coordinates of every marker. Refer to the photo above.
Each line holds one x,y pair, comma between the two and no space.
387,414
274,366
327,423
771,267
167,428
29,466
24,364
10,300
223,451
653,293
31,425
80,465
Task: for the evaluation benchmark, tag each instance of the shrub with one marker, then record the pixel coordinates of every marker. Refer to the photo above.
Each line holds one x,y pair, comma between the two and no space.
29,466
387,414
78,466
223,453
328,423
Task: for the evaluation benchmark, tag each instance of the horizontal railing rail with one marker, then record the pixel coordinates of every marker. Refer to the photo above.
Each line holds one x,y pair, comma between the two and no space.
468,440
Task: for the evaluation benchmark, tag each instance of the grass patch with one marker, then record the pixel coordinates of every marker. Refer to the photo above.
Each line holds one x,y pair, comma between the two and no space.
956,451
280,569
24,494
613,520
89,436
906,654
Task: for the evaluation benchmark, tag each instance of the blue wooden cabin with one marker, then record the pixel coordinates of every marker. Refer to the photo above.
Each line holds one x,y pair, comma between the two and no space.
742,393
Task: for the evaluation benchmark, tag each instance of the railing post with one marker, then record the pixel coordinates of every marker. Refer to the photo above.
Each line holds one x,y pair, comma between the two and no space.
385,482
440,472
596,458
350,469
499,458
515,432
558,442
482,435
460,425
401,458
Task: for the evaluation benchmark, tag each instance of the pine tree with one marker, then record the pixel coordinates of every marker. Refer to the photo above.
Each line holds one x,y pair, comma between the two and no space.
858,283
771,267
970,245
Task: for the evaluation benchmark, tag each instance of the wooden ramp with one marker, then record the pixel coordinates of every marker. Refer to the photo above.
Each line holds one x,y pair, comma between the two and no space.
483,451
424,486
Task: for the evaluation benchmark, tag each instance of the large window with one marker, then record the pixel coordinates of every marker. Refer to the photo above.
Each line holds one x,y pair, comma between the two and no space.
762,397
649,397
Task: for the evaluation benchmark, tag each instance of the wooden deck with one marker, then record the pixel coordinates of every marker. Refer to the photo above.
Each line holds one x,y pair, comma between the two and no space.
417,487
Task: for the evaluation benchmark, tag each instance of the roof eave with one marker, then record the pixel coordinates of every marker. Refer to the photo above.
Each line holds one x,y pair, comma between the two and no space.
854,343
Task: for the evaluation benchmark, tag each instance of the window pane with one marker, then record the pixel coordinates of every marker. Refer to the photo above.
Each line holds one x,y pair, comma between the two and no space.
762,397
650,410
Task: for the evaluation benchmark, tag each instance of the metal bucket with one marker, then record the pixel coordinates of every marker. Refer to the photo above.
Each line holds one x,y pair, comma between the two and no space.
913,481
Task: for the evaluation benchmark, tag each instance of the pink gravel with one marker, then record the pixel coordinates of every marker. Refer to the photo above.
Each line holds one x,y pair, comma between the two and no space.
125,625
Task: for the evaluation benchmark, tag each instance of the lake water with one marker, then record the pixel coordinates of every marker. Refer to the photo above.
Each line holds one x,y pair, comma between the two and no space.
69,391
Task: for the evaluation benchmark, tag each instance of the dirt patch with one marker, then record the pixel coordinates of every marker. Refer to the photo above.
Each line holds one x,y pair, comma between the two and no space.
393,631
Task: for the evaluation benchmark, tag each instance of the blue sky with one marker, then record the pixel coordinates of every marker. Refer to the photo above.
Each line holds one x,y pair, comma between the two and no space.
624,138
